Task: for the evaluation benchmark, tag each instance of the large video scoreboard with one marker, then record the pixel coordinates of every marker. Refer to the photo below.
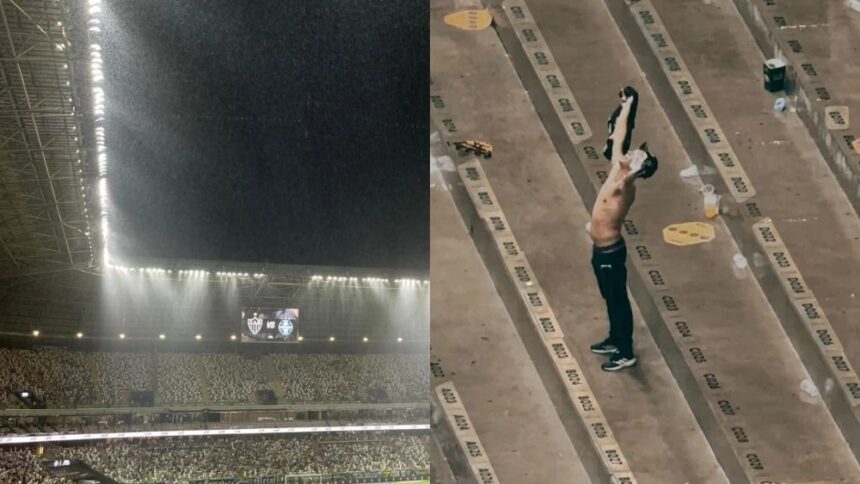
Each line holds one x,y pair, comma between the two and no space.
270,325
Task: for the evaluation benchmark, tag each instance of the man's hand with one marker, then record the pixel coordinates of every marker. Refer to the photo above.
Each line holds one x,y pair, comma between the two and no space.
626,103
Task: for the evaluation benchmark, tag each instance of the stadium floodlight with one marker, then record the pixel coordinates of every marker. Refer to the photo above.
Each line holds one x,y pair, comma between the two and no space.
364,339
122,336
98,106
35,332
79,335
198,337
161,336
300,338
399,339
331,338
232,337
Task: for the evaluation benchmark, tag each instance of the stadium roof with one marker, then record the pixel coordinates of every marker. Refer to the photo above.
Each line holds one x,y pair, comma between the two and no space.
53,177
45,218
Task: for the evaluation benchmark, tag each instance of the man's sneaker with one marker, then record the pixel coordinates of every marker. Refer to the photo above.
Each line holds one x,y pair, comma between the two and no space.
604,348
618,362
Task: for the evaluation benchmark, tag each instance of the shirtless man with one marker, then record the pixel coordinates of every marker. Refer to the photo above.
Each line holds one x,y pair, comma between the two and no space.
610,252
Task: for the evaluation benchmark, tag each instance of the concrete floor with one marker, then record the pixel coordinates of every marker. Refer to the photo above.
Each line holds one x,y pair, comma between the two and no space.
829,33
795,186
735,324
644,403
736,327
478,348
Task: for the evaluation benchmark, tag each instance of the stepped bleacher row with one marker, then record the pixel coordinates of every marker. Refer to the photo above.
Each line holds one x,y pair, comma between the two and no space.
185,459
94,379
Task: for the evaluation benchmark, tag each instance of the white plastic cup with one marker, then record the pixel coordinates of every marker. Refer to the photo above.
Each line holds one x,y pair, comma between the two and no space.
809,388
779,105
712,201
690,171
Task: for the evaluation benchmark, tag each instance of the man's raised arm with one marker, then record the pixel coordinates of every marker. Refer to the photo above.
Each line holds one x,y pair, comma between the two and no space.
620,131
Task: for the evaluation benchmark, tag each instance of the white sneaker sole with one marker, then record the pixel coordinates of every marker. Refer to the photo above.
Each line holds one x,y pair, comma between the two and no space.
605,352
627,364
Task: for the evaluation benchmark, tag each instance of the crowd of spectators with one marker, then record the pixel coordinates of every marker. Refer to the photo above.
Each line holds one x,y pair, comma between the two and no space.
60,376
118,374
351,378
232,378
181,459
107,379
179,378
20,466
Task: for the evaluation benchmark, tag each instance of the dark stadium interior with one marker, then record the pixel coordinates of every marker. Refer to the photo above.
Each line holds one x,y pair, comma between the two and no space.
256,147
166,168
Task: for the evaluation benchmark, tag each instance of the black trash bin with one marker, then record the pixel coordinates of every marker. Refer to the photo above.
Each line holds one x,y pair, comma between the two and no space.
774,75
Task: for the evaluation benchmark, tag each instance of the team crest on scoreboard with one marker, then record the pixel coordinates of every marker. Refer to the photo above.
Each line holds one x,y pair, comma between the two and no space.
286,327
255,324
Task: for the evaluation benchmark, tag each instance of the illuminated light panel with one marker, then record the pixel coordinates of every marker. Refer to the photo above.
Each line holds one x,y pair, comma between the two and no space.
9,440
98,100
260,275
319,278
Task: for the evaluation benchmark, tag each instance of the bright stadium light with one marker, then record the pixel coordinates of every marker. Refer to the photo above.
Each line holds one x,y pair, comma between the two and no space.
122,336
399,339
331,338
301,338
198,337
79,335
364,339
35,332
232,337
98,105
161,336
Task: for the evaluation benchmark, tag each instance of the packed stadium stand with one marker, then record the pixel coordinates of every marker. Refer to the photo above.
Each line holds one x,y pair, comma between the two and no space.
189,459
95,344
77,379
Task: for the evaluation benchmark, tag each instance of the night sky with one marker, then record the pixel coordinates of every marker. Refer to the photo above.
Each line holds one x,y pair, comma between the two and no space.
285,131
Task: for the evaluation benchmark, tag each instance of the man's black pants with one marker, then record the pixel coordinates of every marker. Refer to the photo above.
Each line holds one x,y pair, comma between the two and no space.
611,271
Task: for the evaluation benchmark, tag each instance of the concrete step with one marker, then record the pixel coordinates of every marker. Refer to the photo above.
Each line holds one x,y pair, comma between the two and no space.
788,172
732,342
475,345
478,96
